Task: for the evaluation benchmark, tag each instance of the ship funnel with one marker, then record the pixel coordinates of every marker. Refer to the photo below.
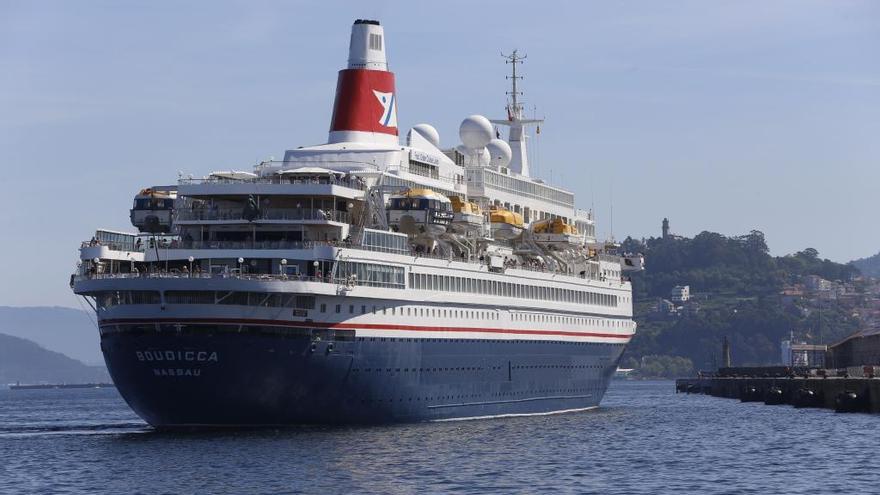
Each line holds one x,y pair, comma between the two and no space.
365,109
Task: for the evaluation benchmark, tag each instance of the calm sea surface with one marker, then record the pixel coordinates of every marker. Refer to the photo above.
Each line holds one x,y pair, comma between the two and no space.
644,439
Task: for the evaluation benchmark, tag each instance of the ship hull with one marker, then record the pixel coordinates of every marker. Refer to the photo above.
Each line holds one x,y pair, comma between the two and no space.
203,375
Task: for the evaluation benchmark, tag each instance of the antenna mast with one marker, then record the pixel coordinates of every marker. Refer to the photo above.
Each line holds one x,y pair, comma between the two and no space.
516,137
514,109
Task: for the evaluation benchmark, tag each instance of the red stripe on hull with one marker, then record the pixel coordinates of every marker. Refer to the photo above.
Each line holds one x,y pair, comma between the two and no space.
364,326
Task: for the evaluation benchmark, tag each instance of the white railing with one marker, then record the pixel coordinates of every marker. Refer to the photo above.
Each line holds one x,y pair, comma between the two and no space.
236,214
349,182
287,245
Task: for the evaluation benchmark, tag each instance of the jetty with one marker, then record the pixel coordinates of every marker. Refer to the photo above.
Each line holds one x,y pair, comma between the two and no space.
854,389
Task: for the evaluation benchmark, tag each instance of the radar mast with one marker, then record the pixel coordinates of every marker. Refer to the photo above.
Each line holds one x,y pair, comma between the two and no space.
519,163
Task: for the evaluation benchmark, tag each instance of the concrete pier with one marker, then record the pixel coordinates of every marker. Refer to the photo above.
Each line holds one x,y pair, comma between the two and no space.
840,394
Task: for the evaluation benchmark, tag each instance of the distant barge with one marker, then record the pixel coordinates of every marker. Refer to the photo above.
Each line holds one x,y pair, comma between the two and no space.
43,386
851,390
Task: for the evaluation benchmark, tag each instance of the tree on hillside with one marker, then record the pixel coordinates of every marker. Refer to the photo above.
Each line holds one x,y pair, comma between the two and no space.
742,282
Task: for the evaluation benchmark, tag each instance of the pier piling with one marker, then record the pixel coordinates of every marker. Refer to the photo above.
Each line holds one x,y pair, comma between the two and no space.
837,393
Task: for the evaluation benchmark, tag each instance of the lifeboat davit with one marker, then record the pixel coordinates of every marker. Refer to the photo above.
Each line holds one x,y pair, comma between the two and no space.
420,212
153,210
466,215
505,223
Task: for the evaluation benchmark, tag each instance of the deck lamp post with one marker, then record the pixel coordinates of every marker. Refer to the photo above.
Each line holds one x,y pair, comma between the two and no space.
284,267
240,262
190,259
315,264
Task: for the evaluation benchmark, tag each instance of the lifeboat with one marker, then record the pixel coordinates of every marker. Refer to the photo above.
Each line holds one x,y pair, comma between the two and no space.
420,212
556,232
153,210
505,223
466,215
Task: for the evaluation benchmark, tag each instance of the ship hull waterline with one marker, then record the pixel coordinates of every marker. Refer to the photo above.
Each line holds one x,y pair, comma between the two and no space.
232,375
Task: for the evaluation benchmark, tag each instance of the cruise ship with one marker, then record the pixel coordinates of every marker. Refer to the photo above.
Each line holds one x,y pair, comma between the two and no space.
371,279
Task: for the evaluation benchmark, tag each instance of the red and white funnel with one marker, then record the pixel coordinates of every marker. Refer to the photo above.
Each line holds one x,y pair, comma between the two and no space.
365,109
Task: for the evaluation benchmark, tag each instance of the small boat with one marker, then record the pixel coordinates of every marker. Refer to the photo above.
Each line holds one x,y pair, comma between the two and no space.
153,210
420,212
556,232
466,215
505,223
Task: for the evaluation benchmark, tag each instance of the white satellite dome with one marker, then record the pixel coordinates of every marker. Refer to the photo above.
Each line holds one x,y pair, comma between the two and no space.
475,131
499,152
428,132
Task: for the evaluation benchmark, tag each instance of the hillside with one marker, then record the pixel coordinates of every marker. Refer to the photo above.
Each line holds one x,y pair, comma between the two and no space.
869,266
65,330
740,292
26,362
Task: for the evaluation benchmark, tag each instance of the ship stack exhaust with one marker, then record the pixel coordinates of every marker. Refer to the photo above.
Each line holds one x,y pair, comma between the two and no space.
365,109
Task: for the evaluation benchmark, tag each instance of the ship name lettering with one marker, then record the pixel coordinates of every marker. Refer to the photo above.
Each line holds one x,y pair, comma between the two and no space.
193,356
177,371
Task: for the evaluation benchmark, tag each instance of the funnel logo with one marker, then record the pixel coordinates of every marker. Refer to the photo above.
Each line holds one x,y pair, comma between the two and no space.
389,113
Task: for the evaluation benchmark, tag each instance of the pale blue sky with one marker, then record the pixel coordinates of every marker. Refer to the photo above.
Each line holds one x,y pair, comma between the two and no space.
723,116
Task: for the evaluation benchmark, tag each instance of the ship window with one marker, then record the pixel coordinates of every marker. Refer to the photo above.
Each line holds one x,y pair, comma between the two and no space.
351,309
106,299
305,302
371,274
189,297
323,307
363,309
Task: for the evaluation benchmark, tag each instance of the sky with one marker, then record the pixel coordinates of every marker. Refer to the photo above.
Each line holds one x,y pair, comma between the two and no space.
722,116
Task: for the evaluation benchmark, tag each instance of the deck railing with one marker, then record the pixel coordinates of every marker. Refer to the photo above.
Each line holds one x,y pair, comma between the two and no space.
350,182
286,245
238,214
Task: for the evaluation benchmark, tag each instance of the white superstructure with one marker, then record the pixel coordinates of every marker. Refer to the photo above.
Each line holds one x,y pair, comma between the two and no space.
365,234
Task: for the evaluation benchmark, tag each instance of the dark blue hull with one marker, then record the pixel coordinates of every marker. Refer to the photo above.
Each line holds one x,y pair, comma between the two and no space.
224,375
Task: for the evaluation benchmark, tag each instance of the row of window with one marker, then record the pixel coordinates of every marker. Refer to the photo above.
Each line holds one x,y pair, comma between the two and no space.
571,320
415,311
263,299
106,299
370,274
426,281
111,298
389,242
481,368
520,187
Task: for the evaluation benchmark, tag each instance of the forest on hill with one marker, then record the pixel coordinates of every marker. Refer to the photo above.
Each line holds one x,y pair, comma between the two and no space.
869,266
738,285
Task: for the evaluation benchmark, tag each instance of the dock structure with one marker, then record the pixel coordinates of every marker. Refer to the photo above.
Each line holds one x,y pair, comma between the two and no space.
841,393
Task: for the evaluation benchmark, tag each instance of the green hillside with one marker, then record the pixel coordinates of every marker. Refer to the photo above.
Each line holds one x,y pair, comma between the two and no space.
738,293
869,266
